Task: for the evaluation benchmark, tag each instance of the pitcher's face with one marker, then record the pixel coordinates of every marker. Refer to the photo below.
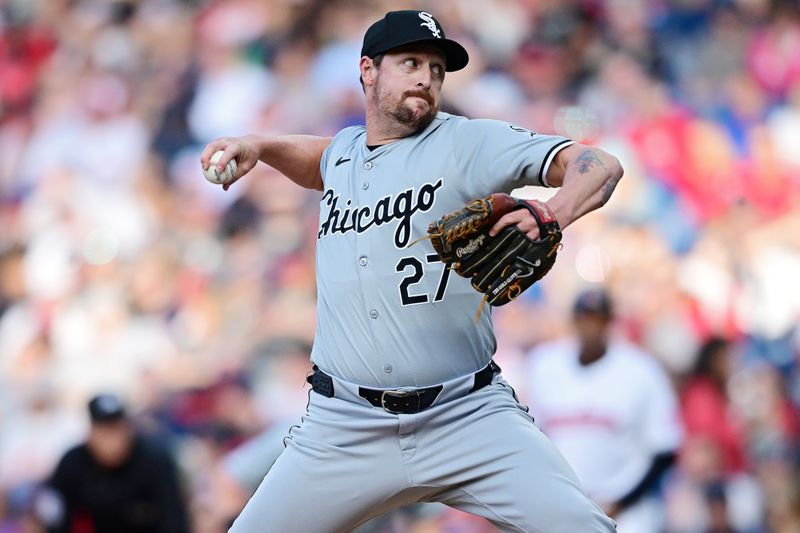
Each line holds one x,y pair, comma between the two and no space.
408,85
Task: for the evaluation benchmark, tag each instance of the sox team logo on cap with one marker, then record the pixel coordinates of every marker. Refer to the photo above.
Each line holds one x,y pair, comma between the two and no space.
398,28
430,23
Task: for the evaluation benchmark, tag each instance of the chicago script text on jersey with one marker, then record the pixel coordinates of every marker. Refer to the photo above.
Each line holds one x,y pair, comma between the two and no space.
401,207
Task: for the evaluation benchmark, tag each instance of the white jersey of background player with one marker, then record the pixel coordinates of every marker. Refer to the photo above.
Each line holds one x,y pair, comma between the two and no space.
611,410
406,406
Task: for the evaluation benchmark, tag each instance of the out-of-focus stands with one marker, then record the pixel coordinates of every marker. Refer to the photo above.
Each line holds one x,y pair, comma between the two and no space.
122,269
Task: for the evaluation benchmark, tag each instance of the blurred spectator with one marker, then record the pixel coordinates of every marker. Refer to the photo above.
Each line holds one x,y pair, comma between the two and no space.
610,409
712,486
706,411
112,243
718,510
115,482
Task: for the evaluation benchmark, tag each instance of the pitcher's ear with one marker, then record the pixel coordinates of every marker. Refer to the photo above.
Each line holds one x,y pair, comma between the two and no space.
367,68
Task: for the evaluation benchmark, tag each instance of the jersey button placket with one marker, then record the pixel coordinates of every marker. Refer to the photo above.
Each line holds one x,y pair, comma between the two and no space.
364,245
365,183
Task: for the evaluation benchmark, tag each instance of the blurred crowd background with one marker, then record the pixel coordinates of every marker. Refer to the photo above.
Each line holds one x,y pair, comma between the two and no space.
123,270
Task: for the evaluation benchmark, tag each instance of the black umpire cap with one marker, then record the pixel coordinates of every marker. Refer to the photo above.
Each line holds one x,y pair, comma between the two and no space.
593,301
106,408
399,28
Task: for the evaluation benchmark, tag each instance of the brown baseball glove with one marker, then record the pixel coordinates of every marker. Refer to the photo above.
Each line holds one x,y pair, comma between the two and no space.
503,266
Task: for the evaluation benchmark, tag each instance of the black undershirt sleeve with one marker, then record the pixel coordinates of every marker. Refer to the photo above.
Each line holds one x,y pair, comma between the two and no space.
660,464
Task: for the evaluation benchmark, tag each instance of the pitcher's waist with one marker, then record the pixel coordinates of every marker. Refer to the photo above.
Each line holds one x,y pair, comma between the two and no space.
403,400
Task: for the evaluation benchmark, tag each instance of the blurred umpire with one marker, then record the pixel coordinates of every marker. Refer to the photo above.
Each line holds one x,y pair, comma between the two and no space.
116,482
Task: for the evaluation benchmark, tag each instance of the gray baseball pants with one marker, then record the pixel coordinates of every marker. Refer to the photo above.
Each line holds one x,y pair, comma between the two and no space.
479,452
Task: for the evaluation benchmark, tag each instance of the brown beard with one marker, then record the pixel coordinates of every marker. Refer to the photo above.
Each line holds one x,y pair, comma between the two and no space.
406,116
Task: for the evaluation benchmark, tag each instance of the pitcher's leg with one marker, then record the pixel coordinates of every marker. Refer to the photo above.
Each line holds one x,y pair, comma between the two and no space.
330,476
539,495
501,467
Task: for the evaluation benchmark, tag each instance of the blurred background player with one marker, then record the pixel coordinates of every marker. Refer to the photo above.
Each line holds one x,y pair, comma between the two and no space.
283,362
610,409
116,481
110,277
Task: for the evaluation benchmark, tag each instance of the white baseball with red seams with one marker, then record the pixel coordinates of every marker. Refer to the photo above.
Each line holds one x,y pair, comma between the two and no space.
216,176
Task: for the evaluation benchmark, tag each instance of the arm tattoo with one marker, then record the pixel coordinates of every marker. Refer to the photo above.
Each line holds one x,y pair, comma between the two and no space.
609,186
587,160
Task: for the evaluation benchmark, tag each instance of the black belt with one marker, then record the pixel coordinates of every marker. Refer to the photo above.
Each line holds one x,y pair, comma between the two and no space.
399,401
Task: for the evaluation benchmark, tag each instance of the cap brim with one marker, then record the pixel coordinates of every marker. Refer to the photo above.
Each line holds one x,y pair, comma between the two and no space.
455,54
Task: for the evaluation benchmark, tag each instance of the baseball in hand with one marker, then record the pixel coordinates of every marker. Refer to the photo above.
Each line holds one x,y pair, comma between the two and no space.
220,177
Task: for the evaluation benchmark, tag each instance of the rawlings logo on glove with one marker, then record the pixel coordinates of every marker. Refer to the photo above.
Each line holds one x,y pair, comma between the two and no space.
472,246
503,266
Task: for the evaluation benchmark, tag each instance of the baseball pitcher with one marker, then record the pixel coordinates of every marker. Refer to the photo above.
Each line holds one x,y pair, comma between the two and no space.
407,405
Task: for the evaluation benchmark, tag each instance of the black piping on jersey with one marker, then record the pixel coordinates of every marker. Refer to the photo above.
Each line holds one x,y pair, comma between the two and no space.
417,137
546,160
302,419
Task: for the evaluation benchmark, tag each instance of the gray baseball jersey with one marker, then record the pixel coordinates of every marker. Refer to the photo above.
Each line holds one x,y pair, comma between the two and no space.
389,314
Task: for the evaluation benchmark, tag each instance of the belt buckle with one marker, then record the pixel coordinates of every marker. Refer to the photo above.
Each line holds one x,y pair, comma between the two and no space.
397,393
